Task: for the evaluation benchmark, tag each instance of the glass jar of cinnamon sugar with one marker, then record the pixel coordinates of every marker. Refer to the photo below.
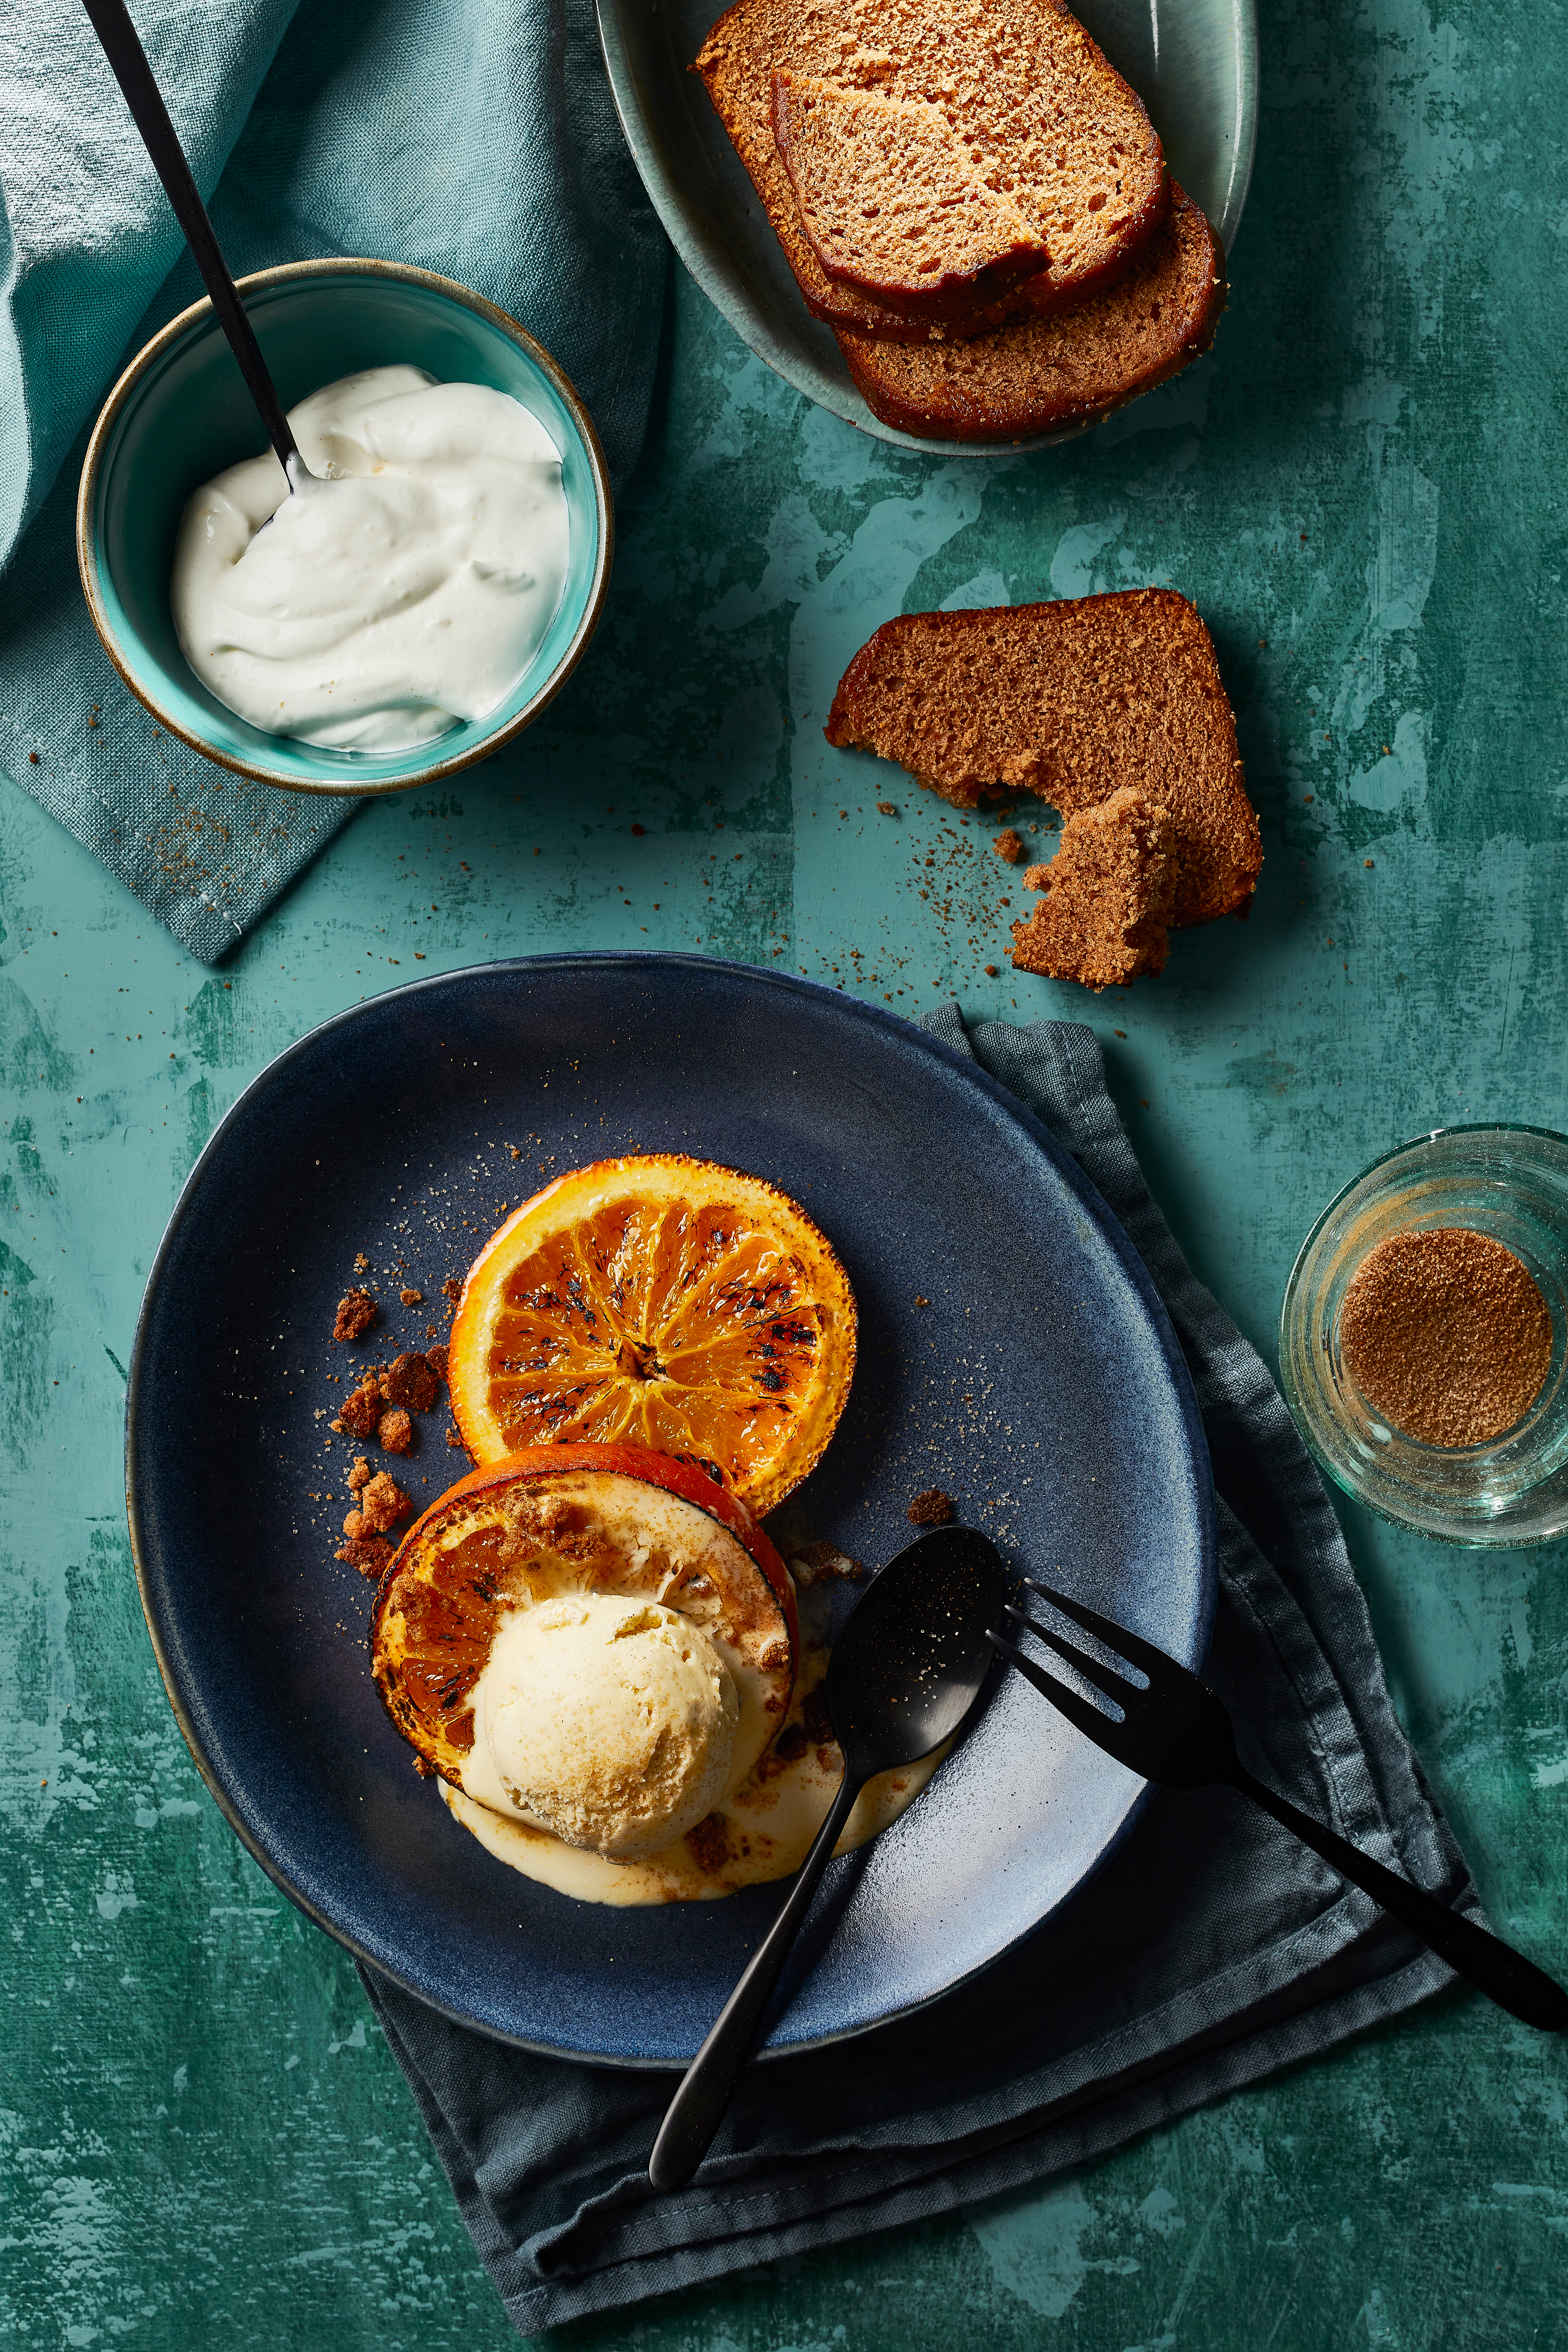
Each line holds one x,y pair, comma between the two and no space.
1424,1339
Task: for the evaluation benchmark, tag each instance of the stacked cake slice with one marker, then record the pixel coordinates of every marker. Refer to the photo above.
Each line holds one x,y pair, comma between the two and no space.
974,200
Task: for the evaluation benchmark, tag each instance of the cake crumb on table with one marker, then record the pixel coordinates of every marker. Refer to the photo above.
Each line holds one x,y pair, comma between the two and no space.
382,1503
411,1298
395,1431
815,1563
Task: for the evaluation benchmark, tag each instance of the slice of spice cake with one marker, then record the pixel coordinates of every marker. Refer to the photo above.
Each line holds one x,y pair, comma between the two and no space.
1047,121
1068,367
1070,701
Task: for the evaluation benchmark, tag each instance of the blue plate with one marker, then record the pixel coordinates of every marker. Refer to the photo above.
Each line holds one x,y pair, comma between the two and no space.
1036,1380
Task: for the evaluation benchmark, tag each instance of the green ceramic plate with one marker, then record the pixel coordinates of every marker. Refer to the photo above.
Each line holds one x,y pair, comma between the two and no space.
1196,68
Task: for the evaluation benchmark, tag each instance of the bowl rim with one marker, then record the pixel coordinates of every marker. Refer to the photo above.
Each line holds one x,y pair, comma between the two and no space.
1422,1141
1496,1536
294,272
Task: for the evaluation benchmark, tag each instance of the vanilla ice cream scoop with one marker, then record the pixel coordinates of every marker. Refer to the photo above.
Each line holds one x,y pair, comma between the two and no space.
610,1722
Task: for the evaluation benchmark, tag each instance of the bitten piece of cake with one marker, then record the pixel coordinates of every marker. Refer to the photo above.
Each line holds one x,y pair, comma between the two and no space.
1071,701
1109,893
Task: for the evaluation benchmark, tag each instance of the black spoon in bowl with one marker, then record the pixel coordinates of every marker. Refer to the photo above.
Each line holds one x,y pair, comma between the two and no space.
112,22
904,1672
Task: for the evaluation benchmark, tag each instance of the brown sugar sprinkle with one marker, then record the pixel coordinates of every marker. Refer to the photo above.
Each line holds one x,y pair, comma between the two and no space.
394,1431
411,1298
357,1310
931,1509
1445,1333
1009,845
451,1287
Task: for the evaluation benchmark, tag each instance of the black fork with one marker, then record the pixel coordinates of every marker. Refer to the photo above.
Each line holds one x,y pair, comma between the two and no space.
1170,1728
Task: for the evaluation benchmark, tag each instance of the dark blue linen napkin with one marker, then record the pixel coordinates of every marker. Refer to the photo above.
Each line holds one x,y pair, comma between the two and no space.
473,137
1210,1950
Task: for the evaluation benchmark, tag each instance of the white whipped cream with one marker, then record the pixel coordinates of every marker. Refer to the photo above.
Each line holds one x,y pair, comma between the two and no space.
407,589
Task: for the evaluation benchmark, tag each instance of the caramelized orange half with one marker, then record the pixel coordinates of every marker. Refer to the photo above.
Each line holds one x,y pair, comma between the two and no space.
569,1520
658,1301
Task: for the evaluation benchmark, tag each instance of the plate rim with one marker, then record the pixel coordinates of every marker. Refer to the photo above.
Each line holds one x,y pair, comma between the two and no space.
878,1018
707,258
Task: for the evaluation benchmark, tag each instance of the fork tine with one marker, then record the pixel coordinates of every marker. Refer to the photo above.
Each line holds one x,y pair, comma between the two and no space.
1086,1718
1131,1646
1105,1679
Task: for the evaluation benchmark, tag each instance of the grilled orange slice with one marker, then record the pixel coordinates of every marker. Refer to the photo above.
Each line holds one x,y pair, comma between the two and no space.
566,1519
657,1301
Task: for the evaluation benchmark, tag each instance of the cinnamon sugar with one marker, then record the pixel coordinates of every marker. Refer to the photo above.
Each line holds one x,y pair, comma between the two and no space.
1445,1333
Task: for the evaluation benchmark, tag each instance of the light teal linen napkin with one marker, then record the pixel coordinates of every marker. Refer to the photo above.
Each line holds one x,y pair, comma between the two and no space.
473,137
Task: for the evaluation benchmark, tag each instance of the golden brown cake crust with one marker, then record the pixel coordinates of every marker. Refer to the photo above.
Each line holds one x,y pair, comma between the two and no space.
1070,701
1071,366
1108,894
1058,130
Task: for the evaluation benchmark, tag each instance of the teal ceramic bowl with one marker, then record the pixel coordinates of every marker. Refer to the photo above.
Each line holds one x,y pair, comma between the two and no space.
180,414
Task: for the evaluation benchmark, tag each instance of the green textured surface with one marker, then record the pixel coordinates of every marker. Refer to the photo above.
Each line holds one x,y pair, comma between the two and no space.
204,2141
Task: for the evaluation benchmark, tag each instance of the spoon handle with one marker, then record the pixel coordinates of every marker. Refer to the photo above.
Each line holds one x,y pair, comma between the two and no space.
697,2110
112,22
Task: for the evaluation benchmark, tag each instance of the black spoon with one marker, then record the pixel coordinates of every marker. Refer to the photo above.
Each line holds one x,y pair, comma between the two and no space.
112,22
904,1672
